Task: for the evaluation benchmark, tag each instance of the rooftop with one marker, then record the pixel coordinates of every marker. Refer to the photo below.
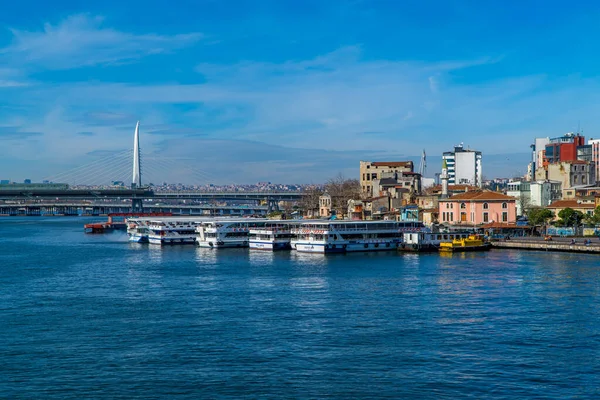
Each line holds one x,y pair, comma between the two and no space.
392,163
571,204
480,195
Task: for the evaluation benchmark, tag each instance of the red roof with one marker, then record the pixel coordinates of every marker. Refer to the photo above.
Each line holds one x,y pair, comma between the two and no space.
571,204
392,164
480,195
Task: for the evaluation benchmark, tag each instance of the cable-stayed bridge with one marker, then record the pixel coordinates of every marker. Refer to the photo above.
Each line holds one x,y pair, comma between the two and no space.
95,181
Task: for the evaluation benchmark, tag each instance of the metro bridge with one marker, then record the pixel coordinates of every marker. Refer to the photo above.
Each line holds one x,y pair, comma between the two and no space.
141,196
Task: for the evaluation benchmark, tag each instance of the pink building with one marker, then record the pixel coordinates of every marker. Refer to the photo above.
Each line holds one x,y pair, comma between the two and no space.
477,208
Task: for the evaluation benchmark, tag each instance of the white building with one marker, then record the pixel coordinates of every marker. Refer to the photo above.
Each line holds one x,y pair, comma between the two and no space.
595,143
534,194
537,149
464,166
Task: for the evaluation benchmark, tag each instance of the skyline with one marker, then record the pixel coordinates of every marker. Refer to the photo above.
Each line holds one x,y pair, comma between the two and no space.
287,92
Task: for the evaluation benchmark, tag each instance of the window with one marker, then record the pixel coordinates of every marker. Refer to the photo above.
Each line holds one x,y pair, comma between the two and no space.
374,175
504,206
463,217
463,205
364,178
485,217
447,206
451,216
504,216
485,206
368,177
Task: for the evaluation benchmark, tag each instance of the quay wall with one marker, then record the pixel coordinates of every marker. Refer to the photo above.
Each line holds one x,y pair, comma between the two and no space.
548,246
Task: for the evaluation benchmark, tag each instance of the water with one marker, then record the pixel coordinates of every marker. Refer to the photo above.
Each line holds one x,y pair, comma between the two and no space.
85,316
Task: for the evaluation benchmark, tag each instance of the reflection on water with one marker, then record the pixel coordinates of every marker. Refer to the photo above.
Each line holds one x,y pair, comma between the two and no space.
99,318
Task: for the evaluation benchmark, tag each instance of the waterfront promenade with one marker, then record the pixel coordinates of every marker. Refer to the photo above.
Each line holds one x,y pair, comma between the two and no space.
556,244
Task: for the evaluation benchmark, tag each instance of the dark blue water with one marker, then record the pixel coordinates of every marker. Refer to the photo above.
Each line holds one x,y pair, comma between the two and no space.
86,316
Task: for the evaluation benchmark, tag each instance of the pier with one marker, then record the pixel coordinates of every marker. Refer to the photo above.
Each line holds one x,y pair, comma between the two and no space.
557,244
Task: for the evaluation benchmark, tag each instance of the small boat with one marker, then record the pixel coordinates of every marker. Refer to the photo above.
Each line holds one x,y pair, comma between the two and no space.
470,243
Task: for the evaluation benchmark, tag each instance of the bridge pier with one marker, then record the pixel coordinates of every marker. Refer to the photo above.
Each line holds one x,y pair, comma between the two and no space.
137,205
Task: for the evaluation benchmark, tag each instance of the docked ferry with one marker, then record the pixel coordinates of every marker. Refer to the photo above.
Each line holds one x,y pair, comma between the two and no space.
137,231
428,241
227,233
274,235
350,236
172,231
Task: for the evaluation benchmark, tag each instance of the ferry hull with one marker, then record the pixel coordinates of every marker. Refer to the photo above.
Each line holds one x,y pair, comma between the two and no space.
223,245
170,241
138,239
270,246
418,248
327,248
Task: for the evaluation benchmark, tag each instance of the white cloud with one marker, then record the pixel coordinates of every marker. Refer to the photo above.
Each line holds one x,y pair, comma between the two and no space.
82,40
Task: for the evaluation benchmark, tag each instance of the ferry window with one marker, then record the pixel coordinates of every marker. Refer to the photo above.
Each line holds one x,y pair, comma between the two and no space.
504,205
504,216
463,205
485,217
485,206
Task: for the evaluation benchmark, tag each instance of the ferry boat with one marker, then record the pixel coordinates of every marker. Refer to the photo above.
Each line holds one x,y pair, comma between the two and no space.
137,230
427,241
221,233
470,243
169,231
276,235
350,236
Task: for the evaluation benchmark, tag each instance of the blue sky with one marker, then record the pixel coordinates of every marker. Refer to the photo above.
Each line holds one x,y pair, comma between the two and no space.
291,91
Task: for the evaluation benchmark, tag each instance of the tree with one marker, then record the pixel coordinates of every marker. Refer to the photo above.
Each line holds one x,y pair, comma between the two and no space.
594,218
569,217
310,198
539,216
523,203
341,190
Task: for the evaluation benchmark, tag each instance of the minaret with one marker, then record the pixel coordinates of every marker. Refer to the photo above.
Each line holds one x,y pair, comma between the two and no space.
137,176
444,178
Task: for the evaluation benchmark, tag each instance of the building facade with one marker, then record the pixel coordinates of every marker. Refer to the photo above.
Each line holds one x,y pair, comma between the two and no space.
370,171
464,166
477,208
534,194
569,173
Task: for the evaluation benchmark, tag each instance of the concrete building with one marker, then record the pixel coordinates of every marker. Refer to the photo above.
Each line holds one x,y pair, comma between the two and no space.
325,205
477,208
534,194
569,173
370,171
464,166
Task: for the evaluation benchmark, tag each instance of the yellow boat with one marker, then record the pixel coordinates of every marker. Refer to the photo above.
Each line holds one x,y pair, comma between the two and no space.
470,243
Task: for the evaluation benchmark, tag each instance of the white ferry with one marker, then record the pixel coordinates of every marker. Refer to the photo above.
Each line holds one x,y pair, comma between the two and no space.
137,229
274,235
428,241
350,236
222,233
170,231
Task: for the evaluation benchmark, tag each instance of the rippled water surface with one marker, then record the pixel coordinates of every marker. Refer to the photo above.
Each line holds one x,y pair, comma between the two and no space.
92,316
